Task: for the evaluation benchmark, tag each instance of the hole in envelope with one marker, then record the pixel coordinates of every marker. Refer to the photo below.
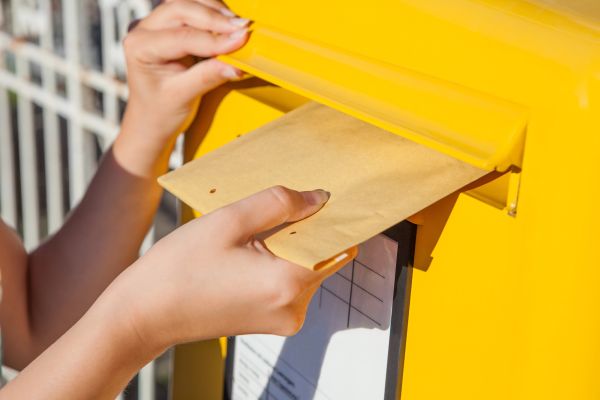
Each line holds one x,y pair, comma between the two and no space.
292,232
212,190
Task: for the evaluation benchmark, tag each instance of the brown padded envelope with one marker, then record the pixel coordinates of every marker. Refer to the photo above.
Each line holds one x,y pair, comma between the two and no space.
376,179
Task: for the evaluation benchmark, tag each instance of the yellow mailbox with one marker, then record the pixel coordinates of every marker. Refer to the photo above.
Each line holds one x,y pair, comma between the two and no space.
504,291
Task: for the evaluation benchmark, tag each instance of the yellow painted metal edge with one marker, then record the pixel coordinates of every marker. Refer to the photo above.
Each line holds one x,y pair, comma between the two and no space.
482,130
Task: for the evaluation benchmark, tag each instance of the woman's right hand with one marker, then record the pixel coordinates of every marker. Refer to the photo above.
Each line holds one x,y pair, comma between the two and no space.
209,278
212,278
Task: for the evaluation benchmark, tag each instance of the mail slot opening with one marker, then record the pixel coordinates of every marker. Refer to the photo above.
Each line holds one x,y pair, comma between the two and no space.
264,102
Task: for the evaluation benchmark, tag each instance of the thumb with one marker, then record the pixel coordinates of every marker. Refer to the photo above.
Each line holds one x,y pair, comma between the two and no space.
270,208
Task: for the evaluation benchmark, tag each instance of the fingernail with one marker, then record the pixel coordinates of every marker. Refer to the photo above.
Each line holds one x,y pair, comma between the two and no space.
230,73
239,22
238,34
227,12
317,197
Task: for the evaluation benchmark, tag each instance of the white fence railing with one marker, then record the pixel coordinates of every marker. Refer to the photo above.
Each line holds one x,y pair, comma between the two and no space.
62,93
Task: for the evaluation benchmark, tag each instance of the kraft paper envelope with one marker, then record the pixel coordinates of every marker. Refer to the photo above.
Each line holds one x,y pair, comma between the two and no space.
376,179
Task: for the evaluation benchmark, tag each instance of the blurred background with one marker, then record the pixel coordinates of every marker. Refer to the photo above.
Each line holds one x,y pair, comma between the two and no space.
62,95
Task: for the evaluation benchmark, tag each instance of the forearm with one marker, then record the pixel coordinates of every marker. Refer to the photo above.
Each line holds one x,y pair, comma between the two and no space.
101,237
210,278
94,360
61,279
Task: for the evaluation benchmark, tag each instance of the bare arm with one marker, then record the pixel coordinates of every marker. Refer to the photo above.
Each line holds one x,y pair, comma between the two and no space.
68,272
94,360
47,291
207,279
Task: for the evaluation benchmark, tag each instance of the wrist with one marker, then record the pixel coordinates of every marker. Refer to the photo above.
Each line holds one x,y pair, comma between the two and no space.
146,312
141,148
118,306
63,370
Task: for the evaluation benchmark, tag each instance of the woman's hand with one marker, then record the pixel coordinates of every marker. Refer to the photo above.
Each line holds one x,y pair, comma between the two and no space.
207,279
212,278
165,82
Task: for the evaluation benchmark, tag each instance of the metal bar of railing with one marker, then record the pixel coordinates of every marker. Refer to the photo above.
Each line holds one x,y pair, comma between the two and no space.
7,162
54,184
146,382
27,154
28,162
91,78
77,153
146,375
111,101
62,106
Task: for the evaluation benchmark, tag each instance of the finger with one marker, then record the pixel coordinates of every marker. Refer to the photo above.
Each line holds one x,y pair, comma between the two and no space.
215,4
269,209
192,13
173,44
202,77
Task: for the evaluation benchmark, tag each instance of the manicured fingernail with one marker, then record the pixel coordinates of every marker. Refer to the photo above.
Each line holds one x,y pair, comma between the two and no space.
317,197
238,34
239,22
231,73
227,12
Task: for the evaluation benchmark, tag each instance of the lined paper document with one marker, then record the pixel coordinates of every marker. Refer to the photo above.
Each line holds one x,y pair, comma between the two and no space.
342,350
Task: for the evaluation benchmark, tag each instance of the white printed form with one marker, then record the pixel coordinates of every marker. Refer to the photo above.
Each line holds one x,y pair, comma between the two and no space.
342,350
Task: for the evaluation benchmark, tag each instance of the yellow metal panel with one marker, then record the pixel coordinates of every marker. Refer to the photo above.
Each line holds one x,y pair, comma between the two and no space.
464,333
504,308
198,371
356,58
479,129
508,307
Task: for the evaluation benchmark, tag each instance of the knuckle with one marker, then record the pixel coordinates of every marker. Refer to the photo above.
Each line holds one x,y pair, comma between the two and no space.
180,8
128,39
167,5
229,218
209,74
283,198
185,34
216,17
131,43
160,10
